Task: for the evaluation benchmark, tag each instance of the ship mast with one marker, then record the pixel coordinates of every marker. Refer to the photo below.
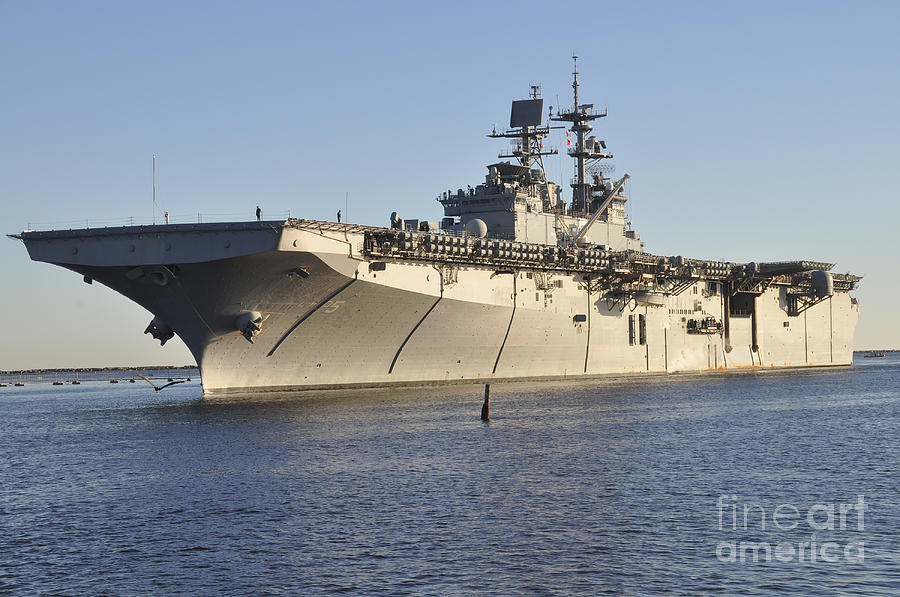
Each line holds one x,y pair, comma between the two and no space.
585,149
525,126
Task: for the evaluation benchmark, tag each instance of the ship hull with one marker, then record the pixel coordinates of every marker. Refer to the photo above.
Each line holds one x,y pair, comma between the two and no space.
335,318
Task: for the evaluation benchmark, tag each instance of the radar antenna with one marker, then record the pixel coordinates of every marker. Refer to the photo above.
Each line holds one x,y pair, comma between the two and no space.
526,132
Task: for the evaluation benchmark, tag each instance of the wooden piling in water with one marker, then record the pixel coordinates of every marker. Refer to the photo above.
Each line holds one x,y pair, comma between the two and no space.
486,407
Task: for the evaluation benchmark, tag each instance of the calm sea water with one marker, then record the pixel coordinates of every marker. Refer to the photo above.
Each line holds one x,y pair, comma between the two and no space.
628,487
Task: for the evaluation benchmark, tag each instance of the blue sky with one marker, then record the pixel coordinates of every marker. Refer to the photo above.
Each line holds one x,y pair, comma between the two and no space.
752,131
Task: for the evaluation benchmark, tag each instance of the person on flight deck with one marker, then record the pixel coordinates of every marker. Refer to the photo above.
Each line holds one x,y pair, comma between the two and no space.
339,216
258,214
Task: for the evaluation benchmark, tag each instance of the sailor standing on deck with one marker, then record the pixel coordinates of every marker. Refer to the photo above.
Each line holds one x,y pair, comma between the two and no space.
258,214
339,216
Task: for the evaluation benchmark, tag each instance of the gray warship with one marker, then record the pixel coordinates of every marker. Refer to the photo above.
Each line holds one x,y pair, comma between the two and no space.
513,283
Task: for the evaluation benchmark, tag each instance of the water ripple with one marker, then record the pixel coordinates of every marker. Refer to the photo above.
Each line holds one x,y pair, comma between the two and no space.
588,488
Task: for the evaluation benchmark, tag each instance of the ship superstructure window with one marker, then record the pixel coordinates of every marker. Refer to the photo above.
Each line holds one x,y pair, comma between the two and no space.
642,321
631,330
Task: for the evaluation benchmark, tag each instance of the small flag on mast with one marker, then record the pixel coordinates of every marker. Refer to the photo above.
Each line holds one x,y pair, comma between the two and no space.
568,138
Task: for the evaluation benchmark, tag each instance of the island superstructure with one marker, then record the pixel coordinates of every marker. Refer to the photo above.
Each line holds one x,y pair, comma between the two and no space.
514,282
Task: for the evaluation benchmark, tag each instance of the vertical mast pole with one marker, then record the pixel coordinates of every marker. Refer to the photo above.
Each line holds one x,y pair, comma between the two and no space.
154,189
579,141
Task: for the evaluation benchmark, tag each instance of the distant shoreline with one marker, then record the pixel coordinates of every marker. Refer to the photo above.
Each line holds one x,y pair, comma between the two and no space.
93,369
